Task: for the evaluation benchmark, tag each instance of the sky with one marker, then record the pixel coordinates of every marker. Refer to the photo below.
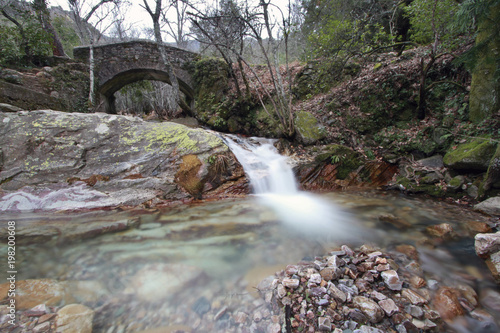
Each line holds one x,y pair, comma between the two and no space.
138,16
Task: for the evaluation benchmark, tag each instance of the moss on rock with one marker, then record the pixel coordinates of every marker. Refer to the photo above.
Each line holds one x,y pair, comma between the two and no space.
472,156
308,128
346,159
188,175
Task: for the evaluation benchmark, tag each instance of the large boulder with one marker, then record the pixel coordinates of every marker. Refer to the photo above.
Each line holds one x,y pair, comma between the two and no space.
309,129
57,160
472,156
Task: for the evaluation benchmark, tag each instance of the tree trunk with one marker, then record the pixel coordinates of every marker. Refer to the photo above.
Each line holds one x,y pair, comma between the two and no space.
44,18
155,16
485,85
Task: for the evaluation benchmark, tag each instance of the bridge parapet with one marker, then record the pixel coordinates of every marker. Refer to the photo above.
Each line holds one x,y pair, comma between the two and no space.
119,64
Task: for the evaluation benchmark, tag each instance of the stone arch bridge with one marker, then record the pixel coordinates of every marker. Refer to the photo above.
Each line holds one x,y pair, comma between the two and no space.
119,64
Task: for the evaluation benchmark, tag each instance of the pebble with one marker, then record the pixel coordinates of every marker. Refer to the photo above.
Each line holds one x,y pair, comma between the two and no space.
389,306
391,279
371,309
324,324
413,297
291,283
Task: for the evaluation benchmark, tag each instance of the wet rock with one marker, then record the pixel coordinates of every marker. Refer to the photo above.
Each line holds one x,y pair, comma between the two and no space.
371,309
447,304
395,221
157,282
491,300
75,318
476,227
240,317
443,230
67,161
413,297
489,206
486,244
201,306
409,250
30,293
391,279
493,263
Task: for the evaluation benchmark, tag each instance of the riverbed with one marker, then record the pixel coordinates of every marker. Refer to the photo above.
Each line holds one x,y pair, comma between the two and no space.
196,267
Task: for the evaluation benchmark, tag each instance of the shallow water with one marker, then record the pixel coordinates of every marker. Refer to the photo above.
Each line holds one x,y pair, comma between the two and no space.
183,266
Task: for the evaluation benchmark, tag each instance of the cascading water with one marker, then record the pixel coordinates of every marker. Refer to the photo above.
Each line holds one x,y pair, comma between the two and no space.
274,184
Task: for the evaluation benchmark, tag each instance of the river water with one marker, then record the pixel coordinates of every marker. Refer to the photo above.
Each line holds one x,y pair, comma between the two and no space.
195,268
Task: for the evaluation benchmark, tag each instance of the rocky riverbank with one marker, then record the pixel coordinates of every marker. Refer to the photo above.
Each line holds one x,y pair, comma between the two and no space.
360,290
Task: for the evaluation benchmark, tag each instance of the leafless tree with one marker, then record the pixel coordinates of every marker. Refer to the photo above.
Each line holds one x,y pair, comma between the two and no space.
155,16
256,23
88,32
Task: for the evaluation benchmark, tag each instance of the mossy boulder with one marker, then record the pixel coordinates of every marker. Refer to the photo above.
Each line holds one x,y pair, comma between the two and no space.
472,156
493,173
309,129
211,84
410,186
58,160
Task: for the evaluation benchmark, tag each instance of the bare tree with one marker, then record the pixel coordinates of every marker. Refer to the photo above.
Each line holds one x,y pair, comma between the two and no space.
155,16
92,35
257,23
177,29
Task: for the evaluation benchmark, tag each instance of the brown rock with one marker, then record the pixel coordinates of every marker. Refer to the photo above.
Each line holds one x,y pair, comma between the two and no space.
476,227
443,230
413,297
493,263
447,303
388,306
75,318
188,175
30,293
371,309
395,221
409,250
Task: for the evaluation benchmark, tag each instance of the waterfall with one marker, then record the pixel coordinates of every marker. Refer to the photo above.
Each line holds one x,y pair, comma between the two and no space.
273,183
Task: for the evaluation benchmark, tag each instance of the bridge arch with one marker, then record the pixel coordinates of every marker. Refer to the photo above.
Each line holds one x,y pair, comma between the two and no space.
119,64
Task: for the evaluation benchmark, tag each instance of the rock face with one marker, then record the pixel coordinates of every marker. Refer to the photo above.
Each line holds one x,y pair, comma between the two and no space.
309,130
57,160
488,247
473,156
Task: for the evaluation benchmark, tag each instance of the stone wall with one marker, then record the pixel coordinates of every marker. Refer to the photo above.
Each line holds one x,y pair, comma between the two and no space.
133,61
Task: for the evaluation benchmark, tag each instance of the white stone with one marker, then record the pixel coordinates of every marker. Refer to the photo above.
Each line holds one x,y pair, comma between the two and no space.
391,279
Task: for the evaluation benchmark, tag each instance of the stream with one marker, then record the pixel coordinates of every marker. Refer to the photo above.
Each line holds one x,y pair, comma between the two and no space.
196,268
